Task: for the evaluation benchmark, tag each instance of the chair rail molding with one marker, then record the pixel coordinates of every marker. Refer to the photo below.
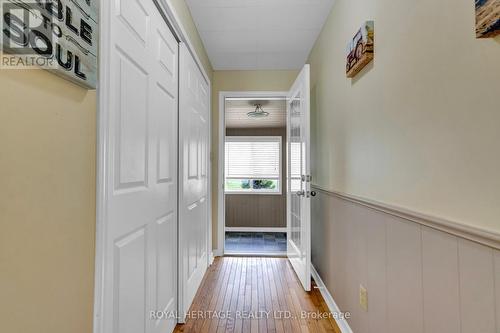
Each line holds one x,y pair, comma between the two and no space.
479,235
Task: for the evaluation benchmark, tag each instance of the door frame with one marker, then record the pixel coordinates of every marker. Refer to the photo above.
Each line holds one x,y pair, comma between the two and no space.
221,214
173,21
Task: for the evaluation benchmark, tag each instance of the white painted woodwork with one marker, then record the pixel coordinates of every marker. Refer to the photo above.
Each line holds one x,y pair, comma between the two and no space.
252,34
497,287
440,285
298,186
418,279
193,177
140,226
477,286
376,273
404,277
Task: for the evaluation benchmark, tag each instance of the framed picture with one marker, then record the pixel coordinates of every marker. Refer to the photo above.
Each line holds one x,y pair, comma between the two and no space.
360,50
487,18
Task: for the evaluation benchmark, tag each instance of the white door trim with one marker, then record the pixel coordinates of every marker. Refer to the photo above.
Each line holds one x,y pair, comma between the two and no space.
103,91
221,225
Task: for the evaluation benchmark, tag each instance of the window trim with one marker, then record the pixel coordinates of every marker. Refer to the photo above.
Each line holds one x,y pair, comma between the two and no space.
256,138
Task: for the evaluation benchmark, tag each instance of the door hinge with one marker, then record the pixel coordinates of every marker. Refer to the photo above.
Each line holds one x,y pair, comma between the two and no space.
307,178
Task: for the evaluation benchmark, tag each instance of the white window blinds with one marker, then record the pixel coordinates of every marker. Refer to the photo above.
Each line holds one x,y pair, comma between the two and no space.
256,157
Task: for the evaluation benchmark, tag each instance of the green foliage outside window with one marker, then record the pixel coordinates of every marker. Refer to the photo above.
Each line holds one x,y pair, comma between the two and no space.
242,185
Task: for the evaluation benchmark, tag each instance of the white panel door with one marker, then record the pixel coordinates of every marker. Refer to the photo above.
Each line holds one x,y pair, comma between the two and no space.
299,179
193,177
140,245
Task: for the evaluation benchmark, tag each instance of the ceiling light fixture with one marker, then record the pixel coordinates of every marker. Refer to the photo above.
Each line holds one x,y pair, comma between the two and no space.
258,113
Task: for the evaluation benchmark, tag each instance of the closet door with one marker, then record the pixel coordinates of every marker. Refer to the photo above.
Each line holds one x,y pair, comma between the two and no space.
193,177
140,226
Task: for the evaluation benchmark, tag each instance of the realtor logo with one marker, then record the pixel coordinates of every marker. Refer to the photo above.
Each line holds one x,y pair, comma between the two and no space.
27,40
58,35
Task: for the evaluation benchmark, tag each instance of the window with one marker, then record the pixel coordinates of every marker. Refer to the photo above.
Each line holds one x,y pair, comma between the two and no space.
295,166
253,164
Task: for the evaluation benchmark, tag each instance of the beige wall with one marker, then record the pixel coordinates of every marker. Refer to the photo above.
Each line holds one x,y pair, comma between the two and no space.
418,128
47,198
239,81
258,211
47,203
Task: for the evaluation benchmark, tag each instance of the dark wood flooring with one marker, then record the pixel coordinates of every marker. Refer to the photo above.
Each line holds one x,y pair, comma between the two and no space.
246,294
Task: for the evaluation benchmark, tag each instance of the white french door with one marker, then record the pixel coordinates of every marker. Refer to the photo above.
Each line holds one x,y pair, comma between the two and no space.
139,243
194,113
299,178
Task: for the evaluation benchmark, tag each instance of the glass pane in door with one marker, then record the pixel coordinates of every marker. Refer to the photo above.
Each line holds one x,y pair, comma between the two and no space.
296,171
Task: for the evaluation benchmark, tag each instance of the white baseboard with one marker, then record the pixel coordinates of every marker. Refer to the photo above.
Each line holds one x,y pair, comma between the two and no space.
330,302
251,229
217,253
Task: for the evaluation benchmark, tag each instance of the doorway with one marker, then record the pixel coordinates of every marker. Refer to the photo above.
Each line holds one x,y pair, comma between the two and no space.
254,174
260,178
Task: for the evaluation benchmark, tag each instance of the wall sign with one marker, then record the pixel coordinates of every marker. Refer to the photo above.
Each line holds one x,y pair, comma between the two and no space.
487,18
57,35
360,49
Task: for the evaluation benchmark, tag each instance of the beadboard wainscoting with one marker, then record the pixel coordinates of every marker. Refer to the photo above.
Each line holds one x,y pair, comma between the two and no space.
419,277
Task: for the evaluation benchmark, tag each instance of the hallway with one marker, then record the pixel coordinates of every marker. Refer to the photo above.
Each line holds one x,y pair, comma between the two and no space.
281,166
255,287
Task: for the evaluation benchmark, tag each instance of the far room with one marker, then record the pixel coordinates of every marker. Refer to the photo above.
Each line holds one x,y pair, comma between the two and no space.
255,175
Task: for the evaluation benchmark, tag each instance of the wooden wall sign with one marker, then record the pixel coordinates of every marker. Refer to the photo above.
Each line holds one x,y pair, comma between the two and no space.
58,35
487,18
360,50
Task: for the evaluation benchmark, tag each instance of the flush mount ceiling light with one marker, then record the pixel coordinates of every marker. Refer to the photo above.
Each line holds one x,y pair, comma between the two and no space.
258,113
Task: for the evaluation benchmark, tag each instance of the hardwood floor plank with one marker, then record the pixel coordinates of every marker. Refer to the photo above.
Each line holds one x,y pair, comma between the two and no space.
246,328
210,325
230,321
214,320
238,322
261,297
247,288
221,323
271,325
278,322
290,325
254,322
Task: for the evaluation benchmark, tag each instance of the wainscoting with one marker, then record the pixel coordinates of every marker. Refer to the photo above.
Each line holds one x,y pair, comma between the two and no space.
419,279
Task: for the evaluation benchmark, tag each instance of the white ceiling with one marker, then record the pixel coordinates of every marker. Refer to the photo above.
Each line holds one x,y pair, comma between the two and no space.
259,34
236,114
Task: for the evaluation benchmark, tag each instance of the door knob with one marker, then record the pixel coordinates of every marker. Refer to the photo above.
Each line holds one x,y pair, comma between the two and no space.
301,193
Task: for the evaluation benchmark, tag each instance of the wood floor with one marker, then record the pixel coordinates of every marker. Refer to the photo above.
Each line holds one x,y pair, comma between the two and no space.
243,294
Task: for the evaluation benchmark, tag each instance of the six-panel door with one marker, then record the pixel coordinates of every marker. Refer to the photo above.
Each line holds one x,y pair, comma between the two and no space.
193,174
141,230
